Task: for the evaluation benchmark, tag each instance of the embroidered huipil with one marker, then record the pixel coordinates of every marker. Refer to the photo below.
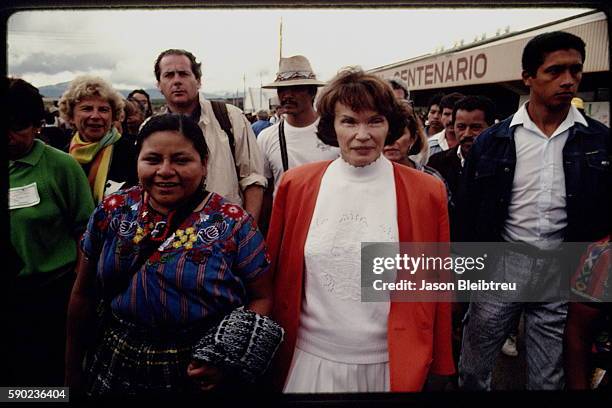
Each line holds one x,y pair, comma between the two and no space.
199,272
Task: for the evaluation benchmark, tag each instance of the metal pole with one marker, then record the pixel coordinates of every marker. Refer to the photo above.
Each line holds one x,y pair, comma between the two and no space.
243,91
280,36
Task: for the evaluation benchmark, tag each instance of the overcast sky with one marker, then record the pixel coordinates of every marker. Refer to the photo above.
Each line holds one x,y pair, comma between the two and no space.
48,47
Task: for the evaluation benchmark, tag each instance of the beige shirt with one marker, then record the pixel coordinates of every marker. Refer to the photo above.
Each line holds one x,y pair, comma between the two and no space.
221,172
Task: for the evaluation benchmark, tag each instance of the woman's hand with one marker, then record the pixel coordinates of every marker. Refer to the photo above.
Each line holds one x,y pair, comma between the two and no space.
205,376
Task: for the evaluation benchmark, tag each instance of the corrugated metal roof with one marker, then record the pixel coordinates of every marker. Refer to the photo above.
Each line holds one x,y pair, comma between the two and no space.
498,60
591,27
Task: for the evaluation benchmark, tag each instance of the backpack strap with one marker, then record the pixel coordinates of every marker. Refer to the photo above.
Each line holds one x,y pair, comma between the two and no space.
220,111
283,144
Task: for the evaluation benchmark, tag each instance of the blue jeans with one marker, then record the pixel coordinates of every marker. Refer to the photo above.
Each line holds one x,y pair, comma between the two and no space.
490,320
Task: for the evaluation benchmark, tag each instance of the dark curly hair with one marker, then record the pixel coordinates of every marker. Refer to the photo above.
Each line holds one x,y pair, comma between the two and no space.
359,91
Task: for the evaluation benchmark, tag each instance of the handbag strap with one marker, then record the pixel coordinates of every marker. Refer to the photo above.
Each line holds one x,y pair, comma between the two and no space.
283,144
220,110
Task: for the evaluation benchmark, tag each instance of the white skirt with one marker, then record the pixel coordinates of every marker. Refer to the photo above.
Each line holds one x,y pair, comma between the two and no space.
313,374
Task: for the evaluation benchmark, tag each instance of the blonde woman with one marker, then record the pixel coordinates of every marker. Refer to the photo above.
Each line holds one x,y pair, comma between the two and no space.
90,105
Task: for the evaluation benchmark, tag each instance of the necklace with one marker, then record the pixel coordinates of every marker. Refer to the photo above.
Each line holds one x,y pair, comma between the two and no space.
150,227
153,225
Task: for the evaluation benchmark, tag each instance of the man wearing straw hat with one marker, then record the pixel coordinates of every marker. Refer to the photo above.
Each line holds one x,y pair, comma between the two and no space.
293,140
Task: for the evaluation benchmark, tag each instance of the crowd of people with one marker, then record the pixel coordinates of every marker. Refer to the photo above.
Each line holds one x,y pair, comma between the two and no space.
191,249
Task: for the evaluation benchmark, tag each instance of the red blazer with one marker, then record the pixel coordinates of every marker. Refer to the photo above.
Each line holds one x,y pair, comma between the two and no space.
419,334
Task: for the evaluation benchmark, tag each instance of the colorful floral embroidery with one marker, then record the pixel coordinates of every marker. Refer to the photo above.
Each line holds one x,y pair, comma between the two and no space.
231,211
184,238
126,228
139,235
216,218
208,235
155,229
113,202
205,242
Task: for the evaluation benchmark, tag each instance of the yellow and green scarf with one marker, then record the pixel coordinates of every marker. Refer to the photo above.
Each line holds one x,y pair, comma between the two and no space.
99,154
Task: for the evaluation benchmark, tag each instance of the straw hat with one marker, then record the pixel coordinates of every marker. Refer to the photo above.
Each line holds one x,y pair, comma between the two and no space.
292,71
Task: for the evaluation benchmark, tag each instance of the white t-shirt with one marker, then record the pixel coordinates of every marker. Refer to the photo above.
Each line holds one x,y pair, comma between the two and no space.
354,205
303,146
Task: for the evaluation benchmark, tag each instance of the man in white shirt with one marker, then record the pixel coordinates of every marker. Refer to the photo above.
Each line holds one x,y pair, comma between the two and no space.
296,86
535,180
293,140
235,172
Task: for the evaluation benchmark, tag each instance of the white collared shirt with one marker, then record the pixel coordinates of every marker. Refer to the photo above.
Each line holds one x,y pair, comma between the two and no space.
537,211
460,156
437,143
221,175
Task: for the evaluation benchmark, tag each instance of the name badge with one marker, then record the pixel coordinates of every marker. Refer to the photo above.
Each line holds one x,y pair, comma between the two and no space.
21,197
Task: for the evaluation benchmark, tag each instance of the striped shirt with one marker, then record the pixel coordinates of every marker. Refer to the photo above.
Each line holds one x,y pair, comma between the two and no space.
199,272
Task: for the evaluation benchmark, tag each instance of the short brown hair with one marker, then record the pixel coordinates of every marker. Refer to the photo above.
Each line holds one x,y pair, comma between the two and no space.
359,91
196,67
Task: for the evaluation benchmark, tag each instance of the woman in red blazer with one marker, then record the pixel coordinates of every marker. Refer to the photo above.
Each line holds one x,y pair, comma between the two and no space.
322,212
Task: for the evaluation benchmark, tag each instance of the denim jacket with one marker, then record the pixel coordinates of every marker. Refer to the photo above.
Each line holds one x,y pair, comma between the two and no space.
486,189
